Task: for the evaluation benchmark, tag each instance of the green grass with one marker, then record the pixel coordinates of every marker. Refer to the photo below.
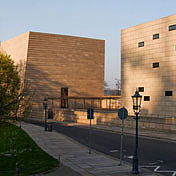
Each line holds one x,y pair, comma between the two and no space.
17,146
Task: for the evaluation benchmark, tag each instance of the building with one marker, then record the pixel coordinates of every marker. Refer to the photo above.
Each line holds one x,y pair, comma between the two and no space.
148,60
58,64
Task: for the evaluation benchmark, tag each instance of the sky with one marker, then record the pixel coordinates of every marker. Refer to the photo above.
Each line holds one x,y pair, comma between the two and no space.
100,19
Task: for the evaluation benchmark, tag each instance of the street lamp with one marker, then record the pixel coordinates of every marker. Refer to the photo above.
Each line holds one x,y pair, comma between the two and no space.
137,108
45,105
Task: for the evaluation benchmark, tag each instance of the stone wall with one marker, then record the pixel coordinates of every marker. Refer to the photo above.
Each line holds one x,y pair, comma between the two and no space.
138,69
17,48
56,61
111,119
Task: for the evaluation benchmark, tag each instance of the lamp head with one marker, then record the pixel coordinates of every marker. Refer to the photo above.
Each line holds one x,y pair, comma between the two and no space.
137,98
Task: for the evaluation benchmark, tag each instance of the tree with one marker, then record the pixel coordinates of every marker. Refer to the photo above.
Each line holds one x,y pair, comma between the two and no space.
118,84
9,86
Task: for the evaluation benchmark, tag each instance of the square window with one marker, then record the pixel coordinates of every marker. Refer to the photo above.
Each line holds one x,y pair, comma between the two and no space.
146,98
140,44
155,36
168,93
155,64
141,89
172,27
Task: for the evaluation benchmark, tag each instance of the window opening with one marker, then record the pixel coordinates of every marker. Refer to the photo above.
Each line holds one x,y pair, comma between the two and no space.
141,89
168,93
155,64
155,36
146,98
172,27
140,44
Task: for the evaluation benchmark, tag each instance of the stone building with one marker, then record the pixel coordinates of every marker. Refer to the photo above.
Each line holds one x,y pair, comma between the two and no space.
148,61
52,63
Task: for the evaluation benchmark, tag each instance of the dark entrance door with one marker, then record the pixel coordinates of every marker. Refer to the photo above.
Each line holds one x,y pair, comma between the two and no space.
64,97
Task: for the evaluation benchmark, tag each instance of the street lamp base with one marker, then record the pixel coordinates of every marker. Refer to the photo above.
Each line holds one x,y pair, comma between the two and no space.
135,165
135,172
46,128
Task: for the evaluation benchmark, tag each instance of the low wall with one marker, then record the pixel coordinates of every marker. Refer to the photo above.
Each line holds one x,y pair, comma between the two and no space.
110,118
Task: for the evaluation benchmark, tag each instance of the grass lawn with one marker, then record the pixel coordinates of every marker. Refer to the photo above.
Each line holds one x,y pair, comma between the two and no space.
17,146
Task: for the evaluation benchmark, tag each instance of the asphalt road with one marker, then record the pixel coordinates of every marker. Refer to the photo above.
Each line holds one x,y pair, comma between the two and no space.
152,152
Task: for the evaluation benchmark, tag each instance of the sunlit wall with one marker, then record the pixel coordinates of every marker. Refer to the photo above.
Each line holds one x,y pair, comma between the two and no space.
148,59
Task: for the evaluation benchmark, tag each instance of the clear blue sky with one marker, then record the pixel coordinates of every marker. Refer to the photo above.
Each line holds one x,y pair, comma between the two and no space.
102,19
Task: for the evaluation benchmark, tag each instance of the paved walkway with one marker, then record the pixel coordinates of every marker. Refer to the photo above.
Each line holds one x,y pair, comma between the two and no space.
76,157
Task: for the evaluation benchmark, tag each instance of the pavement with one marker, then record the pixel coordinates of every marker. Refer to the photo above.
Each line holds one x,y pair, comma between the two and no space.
75,158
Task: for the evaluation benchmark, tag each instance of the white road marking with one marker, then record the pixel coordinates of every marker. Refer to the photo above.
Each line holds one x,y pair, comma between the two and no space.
160,161
149,166
130,157
113,151
152,163
160,171
174,174
156,169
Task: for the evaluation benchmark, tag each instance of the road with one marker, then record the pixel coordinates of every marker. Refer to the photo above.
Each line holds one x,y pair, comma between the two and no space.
152,152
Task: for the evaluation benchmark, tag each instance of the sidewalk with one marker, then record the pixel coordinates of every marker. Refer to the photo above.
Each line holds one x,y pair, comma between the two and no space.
75,157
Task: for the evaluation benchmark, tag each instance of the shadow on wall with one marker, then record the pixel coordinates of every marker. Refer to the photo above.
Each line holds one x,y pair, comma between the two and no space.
65,115
44,85
159,79
144,111
110,120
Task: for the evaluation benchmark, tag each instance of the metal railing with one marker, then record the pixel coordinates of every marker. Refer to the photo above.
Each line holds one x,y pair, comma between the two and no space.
106,103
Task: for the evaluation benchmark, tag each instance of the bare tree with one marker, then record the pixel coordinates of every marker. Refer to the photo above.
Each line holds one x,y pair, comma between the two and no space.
26,93
118,84
106,86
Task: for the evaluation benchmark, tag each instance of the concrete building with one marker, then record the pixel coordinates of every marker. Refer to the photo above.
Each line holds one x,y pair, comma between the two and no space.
52,63
148,61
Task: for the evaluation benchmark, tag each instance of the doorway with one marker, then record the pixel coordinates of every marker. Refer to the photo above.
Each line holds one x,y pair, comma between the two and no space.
64,97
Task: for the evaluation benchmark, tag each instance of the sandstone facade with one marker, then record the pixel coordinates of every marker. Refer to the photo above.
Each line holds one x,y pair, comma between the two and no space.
148,59
51,62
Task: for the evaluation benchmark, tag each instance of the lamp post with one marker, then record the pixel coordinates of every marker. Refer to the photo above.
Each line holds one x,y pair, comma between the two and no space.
45,105
137,108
